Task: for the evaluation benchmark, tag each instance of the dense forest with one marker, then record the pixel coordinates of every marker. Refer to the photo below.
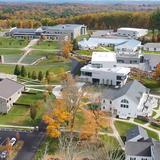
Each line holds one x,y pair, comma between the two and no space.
94,16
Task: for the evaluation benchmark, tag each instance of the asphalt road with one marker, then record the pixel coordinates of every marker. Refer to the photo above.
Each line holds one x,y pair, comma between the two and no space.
31,140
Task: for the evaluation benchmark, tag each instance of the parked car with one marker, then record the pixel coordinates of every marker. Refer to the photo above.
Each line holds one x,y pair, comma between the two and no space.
4,155
12,141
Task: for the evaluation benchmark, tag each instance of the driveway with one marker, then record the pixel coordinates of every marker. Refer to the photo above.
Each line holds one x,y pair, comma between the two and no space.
32,141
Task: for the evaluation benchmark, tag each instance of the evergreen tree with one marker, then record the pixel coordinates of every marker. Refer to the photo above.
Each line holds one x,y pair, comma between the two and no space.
33,112
17,70
40,76
34,75
23,71
29,74
47,73
75,45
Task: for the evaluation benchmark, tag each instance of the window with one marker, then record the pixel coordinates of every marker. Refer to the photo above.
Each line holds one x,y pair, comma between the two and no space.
132,158
103,101
144,158
124,101
87,74
104,107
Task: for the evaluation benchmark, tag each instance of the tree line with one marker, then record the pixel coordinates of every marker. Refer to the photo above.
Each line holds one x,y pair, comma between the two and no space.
104,20
21,71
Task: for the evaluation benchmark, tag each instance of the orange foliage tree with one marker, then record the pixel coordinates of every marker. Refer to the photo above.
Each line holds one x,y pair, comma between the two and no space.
156,74
56,119
67,48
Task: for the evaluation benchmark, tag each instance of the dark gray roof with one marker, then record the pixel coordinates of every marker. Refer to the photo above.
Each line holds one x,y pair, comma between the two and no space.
156,150
138,148
23,31
8,87
132,90
134,132
152,45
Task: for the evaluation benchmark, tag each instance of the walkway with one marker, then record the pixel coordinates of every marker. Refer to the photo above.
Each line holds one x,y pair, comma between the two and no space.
142,125
16,127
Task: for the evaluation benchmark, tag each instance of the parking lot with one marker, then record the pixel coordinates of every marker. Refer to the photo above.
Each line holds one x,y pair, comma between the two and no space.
32,141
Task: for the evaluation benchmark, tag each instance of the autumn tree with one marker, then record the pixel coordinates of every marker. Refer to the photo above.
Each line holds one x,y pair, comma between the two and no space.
72,97
56,119
67,48
156,74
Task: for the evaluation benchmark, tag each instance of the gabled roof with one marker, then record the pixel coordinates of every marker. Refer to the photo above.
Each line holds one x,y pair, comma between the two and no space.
136,131
8,87
130,44
156,150
138,148
133,90
64,26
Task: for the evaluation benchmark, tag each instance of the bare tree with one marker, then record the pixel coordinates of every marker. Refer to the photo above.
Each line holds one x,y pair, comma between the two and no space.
72,97
105,151
69,148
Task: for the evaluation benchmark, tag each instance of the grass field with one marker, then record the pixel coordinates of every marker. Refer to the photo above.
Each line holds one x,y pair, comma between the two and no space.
152,84
124,127
148,52
85,52
12,58
47,45
55,68
10,51
139,121
6,42
20,115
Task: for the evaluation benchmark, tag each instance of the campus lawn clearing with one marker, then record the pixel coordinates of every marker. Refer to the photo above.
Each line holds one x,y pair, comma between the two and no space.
148,52
124,127
10,51
56,68
152,84
139,121
47,45
20,115
85,52
6,42
12,58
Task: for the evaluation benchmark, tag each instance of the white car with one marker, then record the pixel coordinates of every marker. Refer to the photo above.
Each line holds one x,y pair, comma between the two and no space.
12,141
3,155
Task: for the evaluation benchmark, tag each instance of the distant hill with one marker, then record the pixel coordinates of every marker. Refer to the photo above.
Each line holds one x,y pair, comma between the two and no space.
89,1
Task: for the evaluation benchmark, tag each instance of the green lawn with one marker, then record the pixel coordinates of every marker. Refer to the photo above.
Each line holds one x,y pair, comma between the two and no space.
139,121
10,51
85,52
47,45
124,127
6,42
148,52
20,115
152,134
155,127
152,84
12,58
55,68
